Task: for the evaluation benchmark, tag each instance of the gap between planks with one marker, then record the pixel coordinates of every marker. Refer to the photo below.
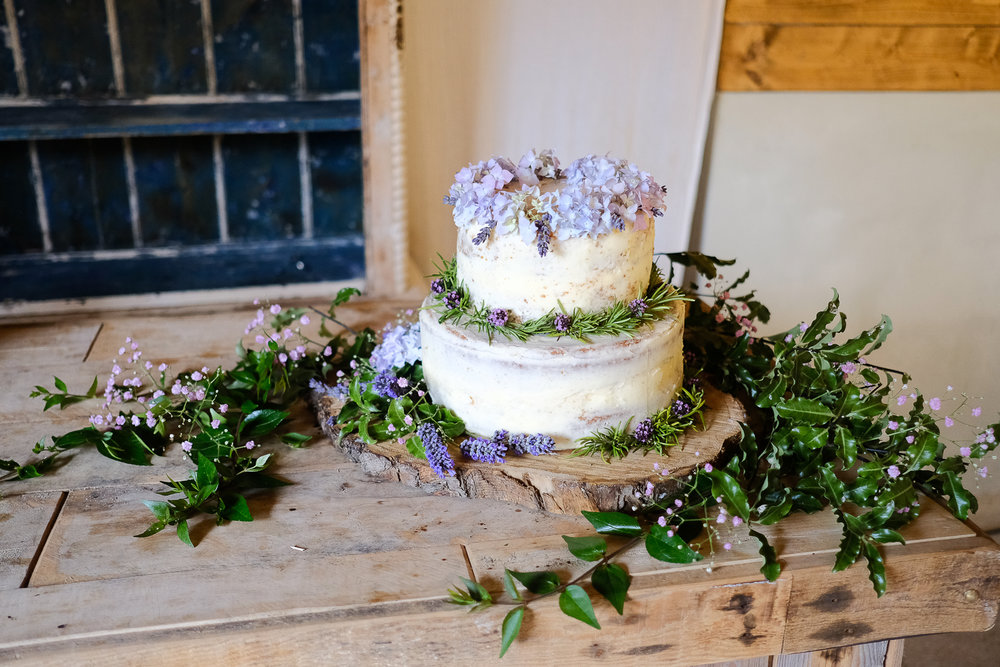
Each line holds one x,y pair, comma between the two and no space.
44,539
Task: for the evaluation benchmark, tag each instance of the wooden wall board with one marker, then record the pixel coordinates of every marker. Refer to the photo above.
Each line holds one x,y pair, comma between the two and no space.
330,39
263,187
23,522
77,61
254,46
865,12
19,229
824,57
162,49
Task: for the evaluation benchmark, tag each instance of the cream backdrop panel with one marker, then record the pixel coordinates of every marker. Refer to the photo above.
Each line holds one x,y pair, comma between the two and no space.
892,198
631,78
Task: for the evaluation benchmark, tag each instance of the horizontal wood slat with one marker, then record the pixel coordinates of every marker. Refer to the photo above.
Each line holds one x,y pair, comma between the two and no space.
882,45
116,120
771,57
865,12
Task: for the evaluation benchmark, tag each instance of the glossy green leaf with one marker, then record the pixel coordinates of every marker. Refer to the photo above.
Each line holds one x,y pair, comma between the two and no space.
884,535
511,627
876,568
669,548
477,591
589,548
614,523
612,581
960,500
771,567
923,451
772,392
510,587
538,583
237,509
160,509
575,603
847,446
127,446
847,554
833,488
263,421
803,411
182,533
732,493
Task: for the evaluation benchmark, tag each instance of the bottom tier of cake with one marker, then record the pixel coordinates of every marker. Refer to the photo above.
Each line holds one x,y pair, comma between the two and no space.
561,387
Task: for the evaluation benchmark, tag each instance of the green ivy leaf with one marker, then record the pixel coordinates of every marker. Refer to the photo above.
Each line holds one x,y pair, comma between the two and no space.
614,523
511,627
261,422
803,411
538,583
589,548
236,509
182,533
669,548
771,567
876,568
612,581
575,603
731,491
510,586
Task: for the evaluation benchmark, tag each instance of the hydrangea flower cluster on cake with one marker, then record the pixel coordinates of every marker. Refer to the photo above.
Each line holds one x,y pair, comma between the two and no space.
597,195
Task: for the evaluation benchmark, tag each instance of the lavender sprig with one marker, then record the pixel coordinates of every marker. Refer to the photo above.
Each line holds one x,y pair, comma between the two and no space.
435,450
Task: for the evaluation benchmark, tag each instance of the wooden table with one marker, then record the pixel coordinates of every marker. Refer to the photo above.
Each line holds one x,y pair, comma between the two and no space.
337,567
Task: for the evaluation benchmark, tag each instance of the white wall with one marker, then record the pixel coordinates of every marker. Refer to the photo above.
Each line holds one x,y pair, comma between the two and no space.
892,198
631,78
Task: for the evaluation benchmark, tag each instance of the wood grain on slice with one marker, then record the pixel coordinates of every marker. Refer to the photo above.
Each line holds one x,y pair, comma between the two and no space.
557,483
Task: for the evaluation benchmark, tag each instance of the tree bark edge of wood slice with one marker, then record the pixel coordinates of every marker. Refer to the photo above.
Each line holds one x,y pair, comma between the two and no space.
558,482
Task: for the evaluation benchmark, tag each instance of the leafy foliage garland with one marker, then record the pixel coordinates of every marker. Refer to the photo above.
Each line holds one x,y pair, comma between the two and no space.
831,430
454,304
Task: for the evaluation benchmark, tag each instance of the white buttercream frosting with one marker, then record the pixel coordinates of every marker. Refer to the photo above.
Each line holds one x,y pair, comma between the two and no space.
561,387
582,272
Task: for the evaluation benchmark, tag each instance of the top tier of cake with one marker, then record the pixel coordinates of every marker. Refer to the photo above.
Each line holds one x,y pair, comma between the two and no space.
535,238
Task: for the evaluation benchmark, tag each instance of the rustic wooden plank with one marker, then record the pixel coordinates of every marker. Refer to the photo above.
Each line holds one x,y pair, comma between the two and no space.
865,12
66,52
85,194
62,343
254,46
19,228
176,189
23,521
330,43
558,483
262,187
319,512
19,381
859,655
809,57
957,579
162,49
381,119
337,188
123,118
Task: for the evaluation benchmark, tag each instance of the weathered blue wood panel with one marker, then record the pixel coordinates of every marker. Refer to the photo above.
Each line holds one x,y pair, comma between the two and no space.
8,77
67,121
19,230
254,46
263,186
85,194
335,158
237,265
175,180
331,45
66,47
162,47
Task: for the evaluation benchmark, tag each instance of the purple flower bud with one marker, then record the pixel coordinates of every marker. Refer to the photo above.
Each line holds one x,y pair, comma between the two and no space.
435,449
562,322
498,317
643,431
452,299
638,307
437,286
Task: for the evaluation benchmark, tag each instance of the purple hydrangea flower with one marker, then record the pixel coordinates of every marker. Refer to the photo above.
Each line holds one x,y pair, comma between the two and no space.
400,346
437,286
643,431
485,449
498,317
435,449
452,299
562,322
638,307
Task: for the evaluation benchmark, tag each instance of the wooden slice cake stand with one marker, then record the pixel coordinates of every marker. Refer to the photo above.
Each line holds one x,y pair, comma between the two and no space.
559,482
